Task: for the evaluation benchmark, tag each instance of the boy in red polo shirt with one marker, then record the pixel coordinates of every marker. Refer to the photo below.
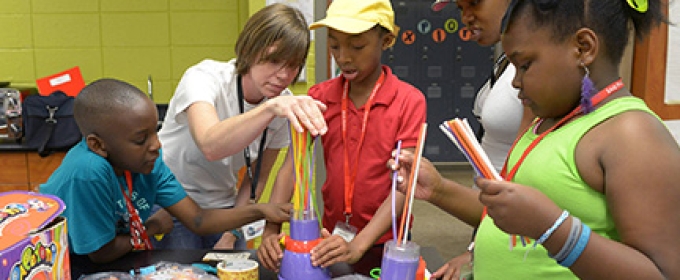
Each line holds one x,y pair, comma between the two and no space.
369,110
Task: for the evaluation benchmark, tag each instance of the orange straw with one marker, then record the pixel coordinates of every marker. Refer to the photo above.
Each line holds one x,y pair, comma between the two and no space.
411,183
458,130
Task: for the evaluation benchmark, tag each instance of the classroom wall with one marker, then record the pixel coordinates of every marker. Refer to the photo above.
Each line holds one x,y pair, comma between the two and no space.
124,39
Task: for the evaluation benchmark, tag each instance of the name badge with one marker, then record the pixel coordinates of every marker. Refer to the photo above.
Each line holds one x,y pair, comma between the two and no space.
254,229
345,230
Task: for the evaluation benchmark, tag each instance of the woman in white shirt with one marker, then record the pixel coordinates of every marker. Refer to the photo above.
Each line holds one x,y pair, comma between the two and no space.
225,116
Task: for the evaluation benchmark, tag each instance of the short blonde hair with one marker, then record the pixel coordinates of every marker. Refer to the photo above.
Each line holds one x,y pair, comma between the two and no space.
276,25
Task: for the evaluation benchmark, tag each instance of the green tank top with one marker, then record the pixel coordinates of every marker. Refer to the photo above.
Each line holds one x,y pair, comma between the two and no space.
551,168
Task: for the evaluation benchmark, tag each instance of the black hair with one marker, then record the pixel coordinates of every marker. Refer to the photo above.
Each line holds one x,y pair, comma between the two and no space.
611,20
101,100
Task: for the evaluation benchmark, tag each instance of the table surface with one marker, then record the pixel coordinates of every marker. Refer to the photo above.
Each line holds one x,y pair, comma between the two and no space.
81,265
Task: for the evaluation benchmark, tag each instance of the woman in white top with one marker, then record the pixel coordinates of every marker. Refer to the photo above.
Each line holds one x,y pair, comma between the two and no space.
500,113
497,106
225,116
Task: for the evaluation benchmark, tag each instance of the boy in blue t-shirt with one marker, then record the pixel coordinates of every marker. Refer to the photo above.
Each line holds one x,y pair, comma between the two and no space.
112,178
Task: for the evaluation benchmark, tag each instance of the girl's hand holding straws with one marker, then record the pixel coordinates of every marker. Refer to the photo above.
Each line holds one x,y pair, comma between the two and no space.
428,179
518,209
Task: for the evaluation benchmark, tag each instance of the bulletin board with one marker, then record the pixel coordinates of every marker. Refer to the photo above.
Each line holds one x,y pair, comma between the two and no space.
652,79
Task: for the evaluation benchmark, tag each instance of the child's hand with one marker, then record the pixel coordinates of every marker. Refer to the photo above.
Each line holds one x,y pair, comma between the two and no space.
276,212
226,242
333,249
270,252
517,209
303,112
451,270
159,223
428,177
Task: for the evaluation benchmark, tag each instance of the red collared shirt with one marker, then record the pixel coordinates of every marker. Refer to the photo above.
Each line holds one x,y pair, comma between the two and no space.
397,113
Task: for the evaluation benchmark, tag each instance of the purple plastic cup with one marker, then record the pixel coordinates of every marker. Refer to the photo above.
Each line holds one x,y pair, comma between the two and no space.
304,230
304,226
400,262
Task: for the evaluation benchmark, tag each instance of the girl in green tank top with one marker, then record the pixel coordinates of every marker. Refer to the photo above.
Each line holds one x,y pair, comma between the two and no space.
592,188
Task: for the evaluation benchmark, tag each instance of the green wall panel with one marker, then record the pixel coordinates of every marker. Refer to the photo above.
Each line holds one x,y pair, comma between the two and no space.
137,63
204,5
205,28
19,35
125,39
66,30
183,57
63,6
137,29
52,61
17,66
15,7
134,5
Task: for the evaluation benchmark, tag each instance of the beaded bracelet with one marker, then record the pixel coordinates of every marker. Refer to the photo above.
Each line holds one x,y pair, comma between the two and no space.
578,249
552,229
568,246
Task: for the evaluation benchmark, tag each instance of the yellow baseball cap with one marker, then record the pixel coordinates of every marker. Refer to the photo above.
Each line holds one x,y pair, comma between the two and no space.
357,16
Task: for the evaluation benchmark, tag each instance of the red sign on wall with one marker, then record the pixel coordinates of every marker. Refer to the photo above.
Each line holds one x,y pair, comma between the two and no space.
69,81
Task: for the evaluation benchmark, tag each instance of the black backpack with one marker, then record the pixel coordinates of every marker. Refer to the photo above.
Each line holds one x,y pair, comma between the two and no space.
49,122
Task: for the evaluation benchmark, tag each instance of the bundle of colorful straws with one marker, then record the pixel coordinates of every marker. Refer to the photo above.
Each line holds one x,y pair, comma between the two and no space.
302,150
461,134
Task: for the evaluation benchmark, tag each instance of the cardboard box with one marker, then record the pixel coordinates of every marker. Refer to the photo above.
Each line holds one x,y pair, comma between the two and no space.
33,238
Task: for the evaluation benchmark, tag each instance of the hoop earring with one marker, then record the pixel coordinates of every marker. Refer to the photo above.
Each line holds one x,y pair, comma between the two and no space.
587,91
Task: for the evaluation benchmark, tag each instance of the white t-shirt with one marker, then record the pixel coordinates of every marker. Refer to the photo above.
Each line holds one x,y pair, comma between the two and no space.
212,184
500,112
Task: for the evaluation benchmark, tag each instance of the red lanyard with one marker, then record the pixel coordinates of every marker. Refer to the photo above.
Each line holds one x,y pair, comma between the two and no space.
604,93
350,178
140,240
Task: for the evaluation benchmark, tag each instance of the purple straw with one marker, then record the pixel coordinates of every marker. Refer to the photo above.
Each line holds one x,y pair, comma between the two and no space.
394,192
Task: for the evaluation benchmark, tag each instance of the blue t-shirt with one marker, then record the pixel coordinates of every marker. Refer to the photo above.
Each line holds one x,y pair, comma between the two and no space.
95,205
